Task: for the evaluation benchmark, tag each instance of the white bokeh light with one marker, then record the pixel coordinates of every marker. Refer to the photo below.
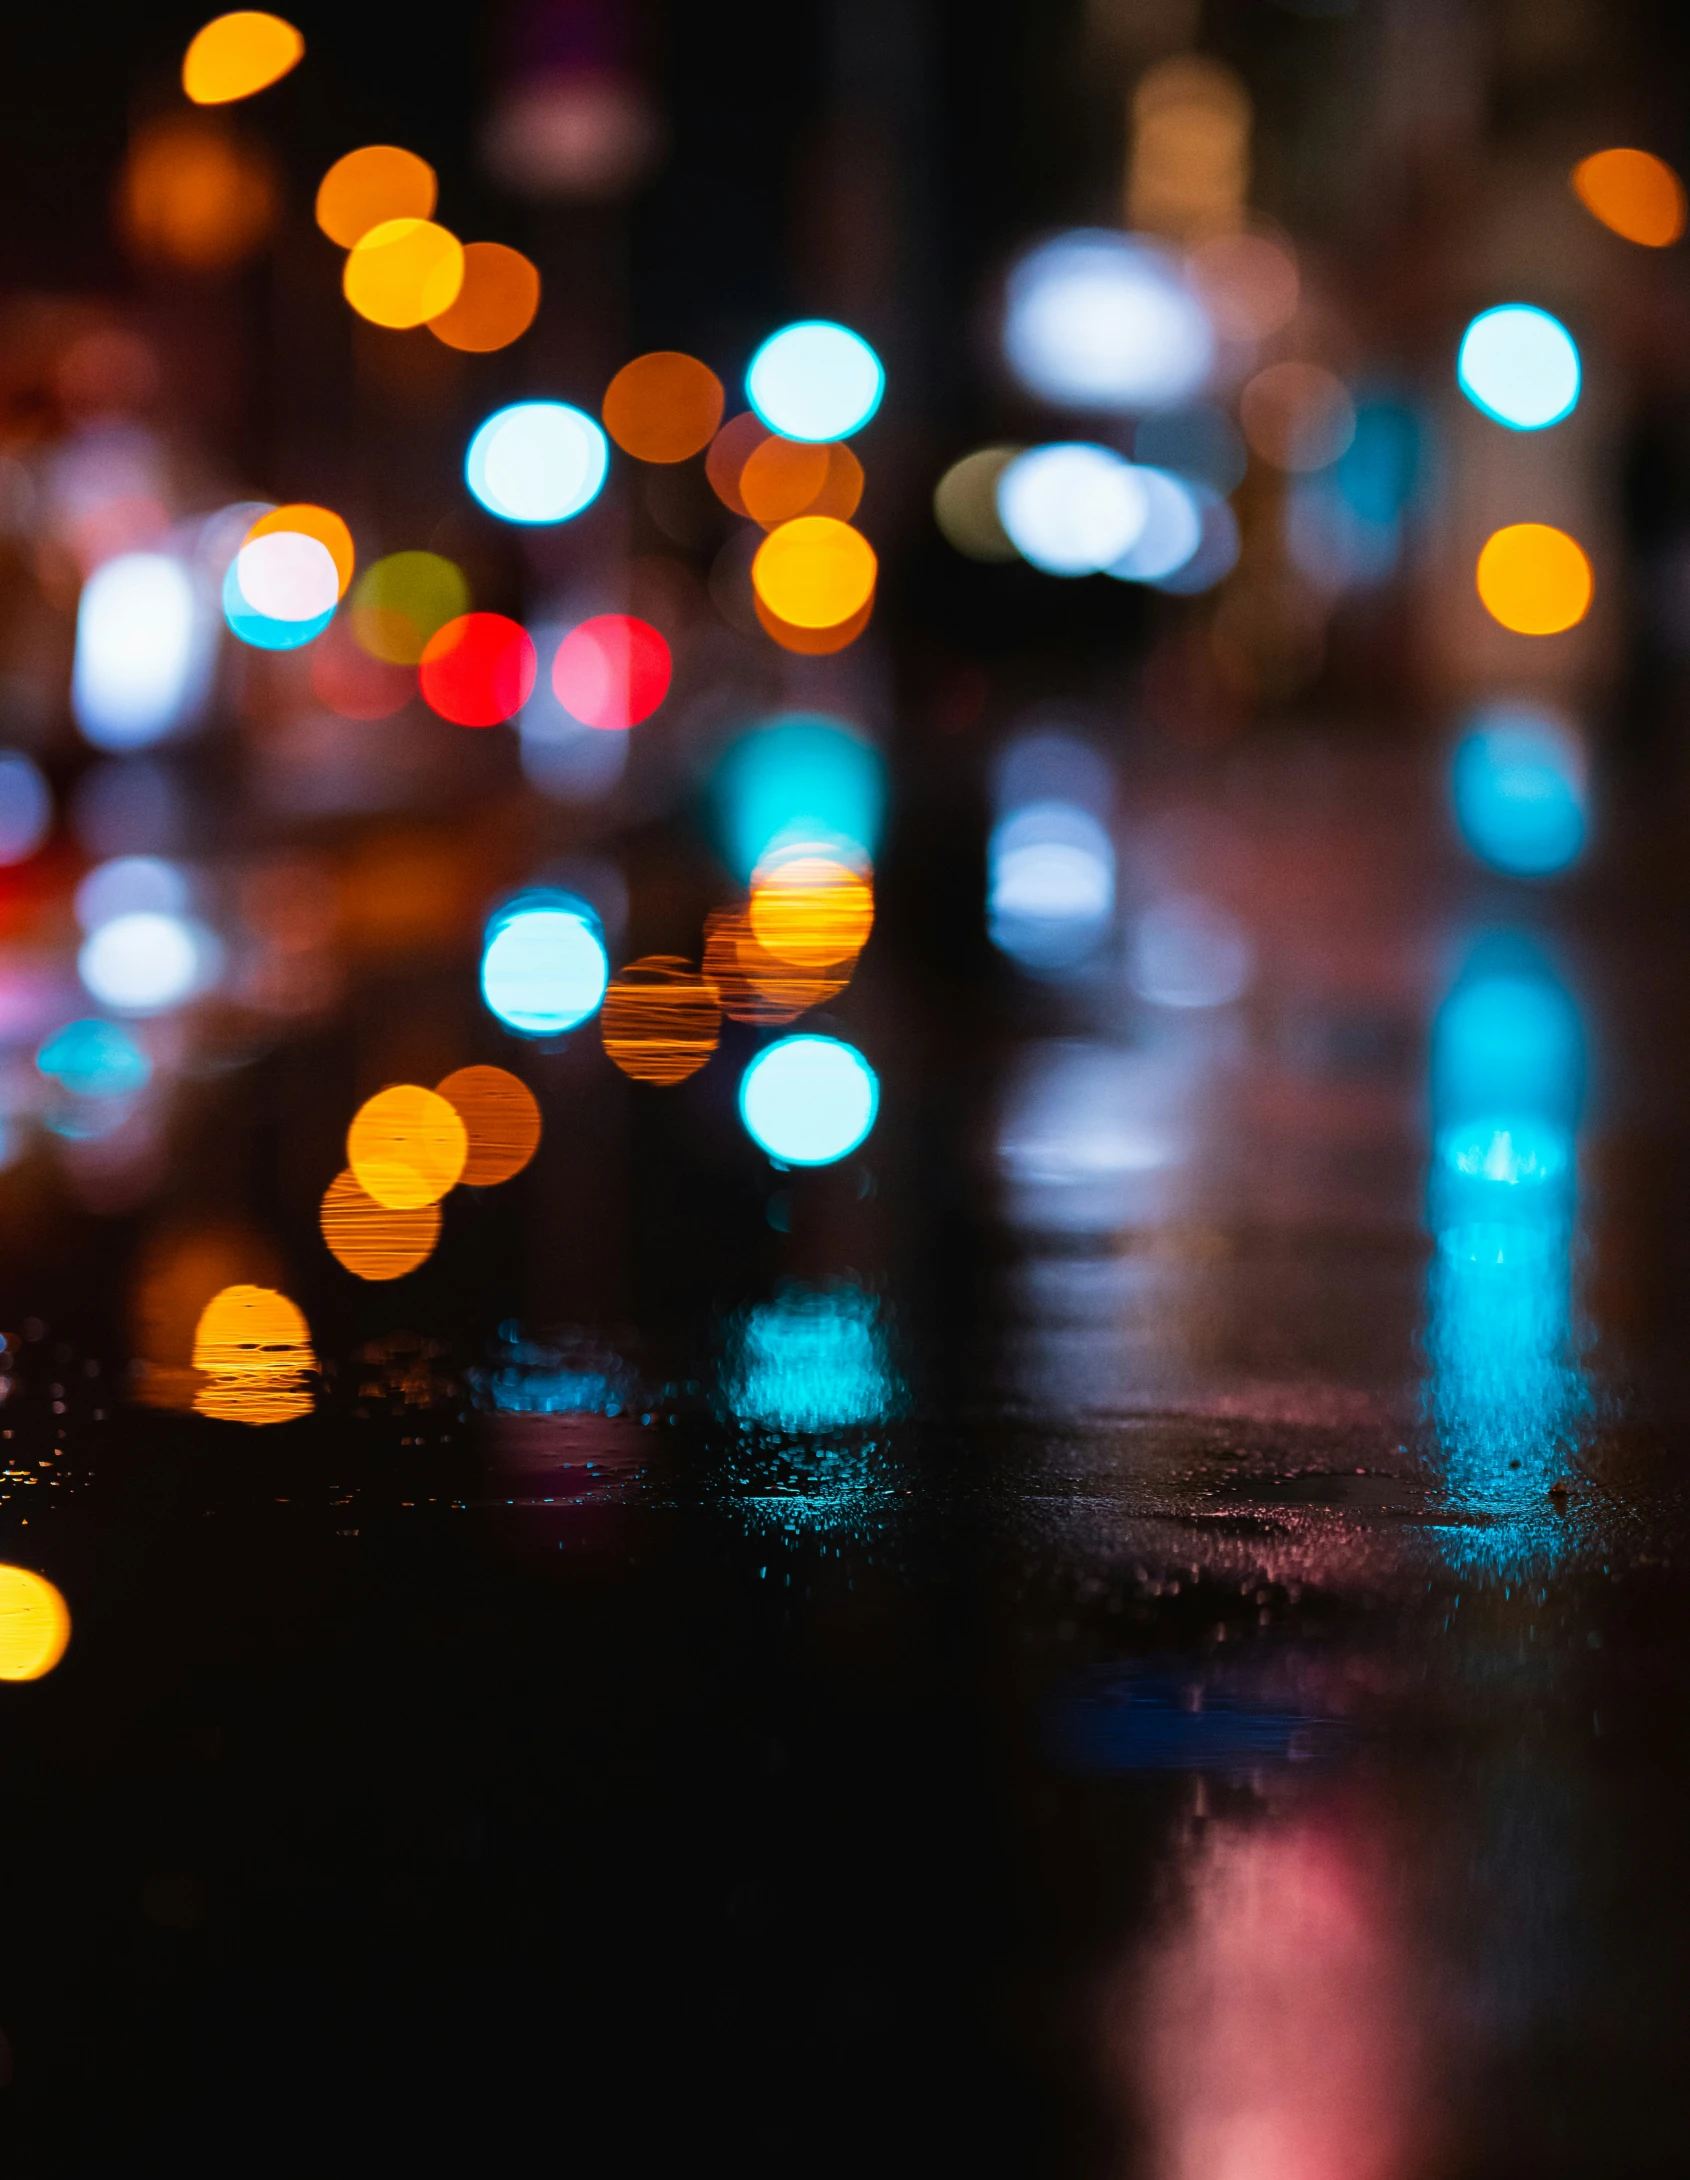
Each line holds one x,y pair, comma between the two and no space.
1097,320
809,1101
138,657
537,461
144,962
1071,509
288,576
815,381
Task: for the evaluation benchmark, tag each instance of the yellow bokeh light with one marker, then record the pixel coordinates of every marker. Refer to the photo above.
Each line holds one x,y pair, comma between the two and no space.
34,1624
404,599
1634,193
254,1348
304,520
404,272
501,1118
661,1019
376,183
192,195
814,572
812,642
1534,579
407,1146
663,407
811,910
495,305
374,1241
751,983
238,54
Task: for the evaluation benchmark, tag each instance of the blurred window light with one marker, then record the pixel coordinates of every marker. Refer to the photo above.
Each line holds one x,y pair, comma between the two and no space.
1072,509
1634,193
127,885
139,661
537,461
1050,886
236,55
1097,320
811,910
1520,366
95,1059
286,576
1188,952
26,807
965,504
254,1348
1248,283
402,600
373,1240
501,1118
496,304
810,1360
34,1624
321,524
403,273
1201,444
809,1101
370,186
815,572
1534,579
407,1146
1216,555
815,380
664,407
544,968
193,196
1189,166
1517,780
478,670
1173,530
804,776
1298,416
661,1019
269,632
612,672
144,962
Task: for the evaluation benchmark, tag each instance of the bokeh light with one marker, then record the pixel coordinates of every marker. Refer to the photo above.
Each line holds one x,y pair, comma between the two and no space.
1201,444
1071,509
26,806
802,777
403,272
496,304
367,187
236,55
145,961
664,406
373,1240
501,1118
478,670
1298,416
1634,193
128,884
809,1101
273,632
780,477
1172,533
730,450
1097,320
254,1348
1517,780
965,504
813,642
1217,551
194,197
1534,579
406,1146
301,519
95,1059
139,662
537,461
287,576
402,600
612,671
811,910
1188,952
661,1020
815,572
1249,284
752,984
544,968
1050,884
1519,365
815,380
34,1624
351,683
813,1361
1189,166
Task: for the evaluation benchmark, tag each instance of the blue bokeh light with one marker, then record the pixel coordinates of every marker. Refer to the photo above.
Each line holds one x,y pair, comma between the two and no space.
1050,884
537,462
1520,366
95,1059
544,968
815,381
810,1360
1517,783
809,1101
802,776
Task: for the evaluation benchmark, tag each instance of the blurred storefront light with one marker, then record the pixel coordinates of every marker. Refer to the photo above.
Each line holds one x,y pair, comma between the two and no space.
1098,320
1520,366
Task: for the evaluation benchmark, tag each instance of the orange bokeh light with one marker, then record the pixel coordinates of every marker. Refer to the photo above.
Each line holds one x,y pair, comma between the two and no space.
192,195
322,523
34,1624
811,910
254,1348
238,54
814,572
495,305
752,984
730,450
403,273
501,1118
375,183
780,478
373,1241
663,407
661,1019
1634,193
812,642
1535,579
407,1146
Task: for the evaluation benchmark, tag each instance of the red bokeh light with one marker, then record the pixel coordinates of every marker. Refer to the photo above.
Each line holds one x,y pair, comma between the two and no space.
612,671
478,670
